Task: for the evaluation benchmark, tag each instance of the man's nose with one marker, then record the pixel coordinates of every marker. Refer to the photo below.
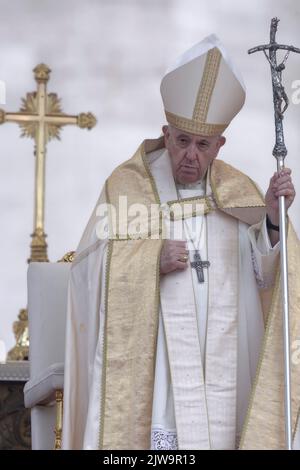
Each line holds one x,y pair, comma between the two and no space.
192,153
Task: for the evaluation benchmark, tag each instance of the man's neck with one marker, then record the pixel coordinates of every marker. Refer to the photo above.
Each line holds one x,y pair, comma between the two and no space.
196,185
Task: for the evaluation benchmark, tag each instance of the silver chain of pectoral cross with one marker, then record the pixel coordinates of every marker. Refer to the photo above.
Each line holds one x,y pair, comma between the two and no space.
198,264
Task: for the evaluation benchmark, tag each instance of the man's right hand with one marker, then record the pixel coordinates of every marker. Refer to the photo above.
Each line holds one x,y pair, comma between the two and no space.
174,256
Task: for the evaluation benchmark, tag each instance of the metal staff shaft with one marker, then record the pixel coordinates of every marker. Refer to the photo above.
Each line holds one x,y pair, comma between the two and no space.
280,152
280,98
286,320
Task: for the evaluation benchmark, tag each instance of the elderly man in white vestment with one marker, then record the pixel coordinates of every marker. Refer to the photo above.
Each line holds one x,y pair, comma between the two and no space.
167,345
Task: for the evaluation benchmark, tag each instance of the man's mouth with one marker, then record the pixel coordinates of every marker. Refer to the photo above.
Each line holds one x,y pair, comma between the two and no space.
190,167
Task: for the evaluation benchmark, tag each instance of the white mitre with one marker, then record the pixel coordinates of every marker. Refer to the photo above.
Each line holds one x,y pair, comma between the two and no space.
203,91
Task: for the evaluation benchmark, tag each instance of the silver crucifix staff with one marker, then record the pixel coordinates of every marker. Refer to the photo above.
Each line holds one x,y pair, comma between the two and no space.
281,103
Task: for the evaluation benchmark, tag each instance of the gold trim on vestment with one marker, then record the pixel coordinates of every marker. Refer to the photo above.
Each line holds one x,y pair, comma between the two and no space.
263,348
147,167
103,380
195,127
195,205
207,85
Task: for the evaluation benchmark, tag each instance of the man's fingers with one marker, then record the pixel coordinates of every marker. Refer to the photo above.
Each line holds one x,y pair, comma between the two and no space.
179,254
181,265
284,185
282,179
180,243
285,192
178,251
183,255
282,173
175,243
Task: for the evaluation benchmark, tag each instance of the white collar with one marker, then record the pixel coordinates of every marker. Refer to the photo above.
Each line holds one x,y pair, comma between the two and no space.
192,186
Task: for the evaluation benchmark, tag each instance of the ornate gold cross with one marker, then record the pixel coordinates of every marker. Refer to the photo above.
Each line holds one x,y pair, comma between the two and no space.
41,118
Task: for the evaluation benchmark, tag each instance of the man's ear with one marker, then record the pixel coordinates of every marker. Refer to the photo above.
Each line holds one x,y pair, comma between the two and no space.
166,133
222,141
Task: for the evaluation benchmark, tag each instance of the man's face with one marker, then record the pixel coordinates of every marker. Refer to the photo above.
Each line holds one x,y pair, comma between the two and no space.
190,154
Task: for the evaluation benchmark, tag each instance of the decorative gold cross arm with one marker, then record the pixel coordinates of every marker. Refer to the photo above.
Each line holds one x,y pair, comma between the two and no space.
41,119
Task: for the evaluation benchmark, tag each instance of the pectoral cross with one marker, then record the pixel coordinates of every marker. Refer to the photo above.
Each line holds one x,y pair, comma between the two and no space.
41,118
198,264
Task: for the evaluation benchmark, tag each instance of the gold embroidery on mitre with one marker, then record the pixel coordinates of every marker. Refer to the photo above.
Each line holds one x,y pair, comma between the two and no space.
198,125
194,127
207,85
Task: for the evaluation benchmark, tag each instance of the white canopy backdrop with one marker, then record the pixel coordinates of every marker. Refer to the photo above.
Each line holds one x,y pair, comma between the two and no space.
107,57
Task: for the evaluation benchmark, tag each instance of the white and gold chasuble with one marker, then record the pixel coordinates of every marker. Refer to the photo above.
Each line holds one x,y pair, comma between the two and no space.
166,362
